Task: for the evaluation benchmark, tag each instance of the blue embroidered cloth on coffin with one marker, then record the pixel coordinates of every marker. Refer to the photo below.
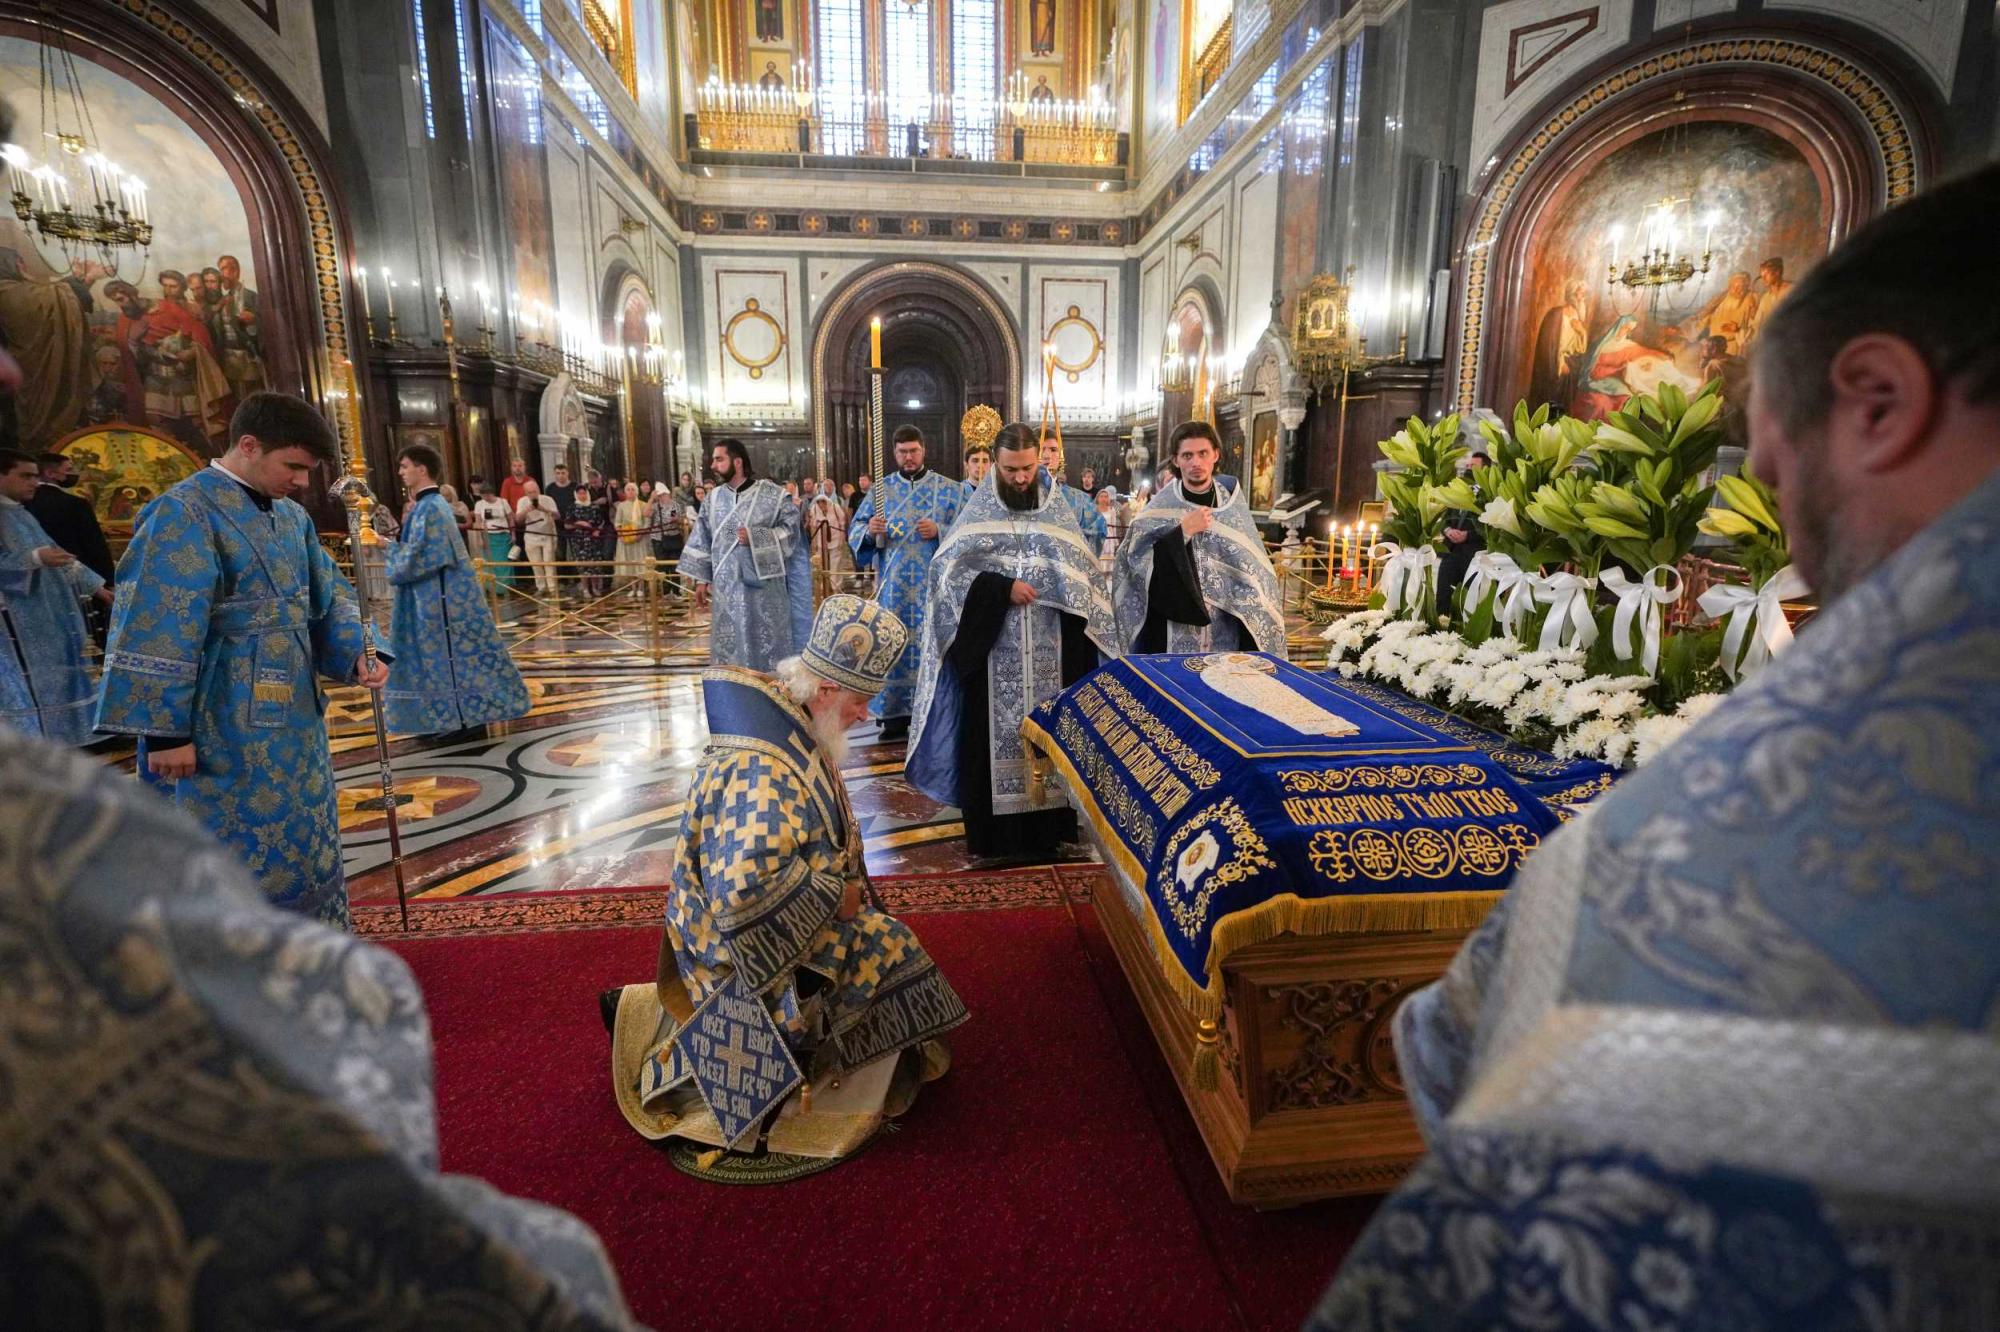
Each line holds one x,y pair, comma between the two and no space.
1209,778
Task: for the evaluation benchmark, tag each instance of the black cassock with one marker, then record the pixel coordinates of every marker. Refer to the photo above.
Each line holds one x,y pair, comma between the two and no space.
988,834
1174,595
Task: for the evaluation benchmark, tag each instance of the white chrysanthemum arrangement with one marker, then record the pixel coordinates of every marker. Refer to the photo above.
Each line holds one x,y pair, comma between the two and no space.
1543,699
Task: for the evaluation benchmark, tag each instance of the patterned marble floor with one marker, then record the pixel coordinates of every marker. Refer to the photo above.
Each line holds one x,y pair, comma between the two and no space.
584,793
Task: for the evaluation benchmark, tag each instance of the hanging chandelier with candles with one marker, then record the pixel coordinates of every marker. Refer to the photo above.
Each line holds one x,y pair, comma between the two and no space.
79,199
1661,261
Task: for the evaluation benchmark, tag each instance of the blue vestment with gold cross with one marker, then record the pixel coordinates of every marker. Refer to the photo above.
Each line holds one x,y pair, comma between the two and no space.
226,615
902,559
768,850
451,670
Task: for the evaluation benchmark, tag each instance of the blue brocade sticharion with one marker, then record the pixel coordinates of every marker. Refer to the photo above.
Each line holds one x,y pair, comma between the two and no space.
451,669
762,590
902,560
225,613
1724,1055
1088,520
45,687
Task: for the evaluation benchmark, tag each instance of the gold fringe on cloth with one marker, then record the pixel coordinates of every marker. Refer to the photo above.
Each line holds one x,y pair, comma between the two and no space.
1286,913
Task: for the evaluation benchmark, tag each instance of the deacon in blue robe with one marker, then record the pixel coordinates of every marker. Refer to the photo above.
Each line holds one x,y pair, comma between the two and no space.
227,611
452,670
221,1115
768,894
1725,1055
748,559
1211,589
45,684
897,529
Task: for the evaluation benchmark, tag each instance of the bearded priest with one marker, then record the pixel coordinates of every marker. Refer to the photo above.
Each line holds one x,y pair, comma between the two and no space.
1017,613
747,559
1193,552
774,974
898,527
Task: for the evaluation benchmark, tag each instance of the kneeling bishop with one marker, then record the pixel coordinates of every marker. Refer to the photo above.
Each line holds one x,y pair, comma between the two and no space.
765,916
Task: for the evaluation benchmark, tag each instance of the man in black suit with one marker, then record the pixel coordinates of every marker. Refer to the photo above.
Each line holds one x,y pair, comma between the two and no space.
68,519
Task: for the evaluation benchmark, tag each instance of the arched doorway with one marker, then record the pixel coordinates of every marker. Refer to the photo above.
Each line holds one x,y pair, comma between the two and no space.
947,344
635,332
1190,336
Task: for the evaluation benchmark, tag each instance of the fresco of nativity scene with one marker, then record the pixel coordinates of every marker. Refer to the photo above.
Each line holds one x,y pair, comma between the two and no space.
132,370
1732,195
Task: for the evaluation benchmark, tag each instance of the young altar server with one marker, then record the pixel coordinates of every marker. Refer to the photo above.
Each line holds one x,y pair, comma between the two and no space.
1192,573
228,610
747,558
45,684
1081,506
1724,1055
767,926
978,462
897,529
1017,612
453,673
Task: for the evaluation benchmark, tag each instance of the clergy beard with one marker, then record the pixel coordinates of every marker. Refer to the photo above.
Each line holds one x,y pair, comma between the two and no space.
828,734
1021,501
911,473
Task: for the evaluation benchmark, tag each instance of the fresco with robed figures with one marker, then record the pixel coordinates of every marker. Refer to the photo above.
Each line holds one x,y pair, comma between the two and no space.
170,340
1585,344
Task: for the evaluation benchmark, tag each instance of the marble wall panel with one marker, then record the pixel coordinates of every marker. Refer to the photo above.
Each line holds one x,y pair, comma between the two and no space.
1076,312
751,325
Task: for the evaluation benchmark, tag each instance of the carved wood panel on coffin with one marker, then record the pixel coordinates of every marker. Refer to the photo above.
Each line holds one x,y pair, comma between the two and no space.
1327,1043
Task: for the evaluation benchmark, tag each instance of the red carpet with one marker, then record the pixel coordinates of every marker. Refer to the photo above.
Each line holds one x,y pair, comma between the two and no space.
1052,1180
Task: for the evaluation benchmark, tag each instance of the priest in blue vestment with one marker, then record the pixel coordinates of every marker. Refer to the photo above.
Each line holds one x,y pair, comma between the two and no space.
452,673
45,684
748,560
228,614
897,529
1192,573
1725,1056
1017,614
766,909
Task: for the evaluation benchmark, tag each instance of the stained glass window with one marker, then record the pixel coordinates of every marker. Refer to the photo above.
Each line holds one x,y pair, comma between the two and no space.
906,60
975,65
843,76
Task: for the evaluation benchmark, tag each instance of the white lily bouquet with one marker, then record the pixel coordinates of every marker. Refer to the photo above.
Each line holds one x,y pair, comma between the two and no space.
1562,634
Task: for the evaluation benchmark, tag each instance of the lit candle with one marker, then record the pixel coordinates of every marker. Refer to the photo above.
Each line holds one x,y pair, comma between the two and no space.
875,343
389,288
367,318
1373,528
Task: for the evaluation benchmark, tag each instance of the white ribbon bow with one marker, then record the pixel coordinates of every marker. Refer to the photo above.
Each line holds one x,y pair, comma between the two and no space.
1405,575
1645,601
1744,607
1570,622
1513,589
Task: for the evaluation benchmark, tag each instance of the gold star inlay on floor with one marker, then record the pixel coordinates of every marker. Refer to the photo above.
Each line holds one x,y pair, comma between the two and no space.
604,747
429,796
